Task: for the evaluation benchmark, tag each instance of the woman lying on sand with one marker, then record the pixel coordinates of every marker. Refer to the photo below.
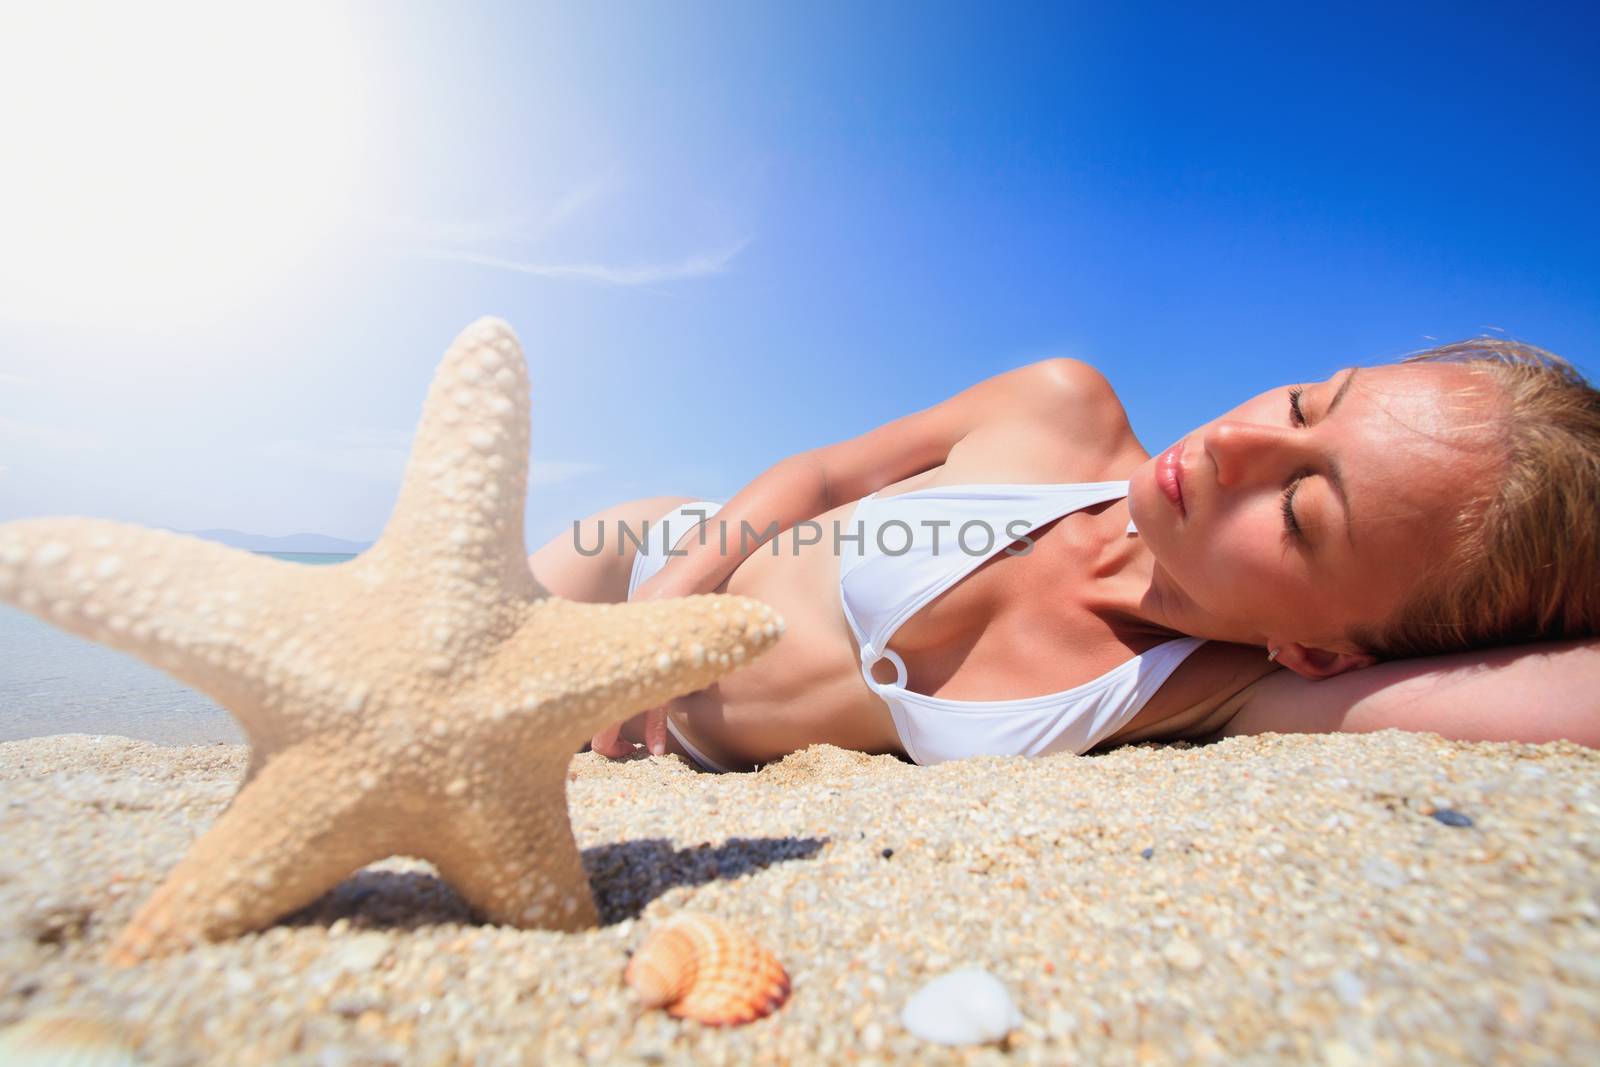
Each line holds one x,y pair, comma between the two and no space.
977,575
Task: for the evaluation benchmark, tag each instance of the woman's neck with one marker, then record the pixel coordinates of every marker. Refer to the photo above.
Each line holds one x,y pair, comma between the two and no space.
1133,592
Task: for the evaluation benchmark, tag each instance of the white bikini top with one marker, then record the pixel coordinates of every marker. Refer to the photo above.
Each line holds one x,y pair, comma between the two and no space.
916,545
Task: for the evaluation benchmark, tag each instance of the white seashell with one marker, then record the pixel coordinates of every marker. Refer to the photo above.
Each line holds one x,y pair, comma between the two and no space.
65,1039
965,1007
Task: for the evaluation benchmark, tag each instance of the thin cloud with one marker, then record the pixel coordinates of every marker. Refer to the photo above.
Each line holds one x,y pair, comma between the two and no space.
701,265
578,199
17,380
482,243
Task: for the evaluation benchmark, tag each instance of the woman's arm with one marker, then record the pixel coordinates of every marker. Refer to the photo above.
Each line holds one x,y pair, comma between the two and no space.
809,483
1532,693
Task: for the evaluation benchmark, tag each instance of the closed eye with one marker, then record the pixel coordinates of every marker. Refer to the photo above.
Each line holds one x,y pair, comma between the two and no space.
1329,467
1289,521
1298,418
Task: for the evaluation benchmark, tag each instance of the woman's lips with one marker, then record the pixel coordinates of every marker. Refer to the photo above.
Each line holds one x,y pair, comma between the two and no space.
1169,468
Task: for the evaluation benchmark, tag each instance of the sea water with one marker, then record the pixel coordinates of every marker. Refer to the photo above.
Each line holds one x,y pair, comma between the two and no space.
54,683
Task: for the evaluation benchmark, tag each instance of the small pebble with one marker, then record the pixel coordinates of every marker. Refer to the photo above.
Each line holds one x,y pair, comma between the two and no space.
58,922
1182,954
361,953
1350,990
1383,873
1452,818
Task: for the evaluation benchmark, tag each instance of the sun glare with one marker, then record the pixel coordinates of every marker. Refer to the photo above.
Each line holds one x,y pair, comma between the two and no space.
163,161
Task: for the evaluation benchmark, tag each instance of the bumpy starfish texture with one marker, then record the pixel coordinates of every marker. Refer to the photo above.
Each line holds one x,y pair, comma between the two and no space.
423,699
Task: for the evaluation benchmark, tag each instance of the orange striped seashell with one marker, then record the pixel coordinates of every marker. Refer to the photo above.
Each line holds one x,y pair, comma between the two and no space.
700,968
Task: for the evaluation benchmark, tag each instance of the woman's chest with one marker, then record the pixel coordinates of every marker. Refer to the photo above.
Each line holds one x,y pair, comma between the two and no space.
1014,623
1007,612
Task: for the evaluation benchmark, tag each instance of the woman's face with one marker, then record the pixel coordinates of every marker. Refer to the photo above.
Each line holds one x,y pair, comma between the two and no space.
1370,477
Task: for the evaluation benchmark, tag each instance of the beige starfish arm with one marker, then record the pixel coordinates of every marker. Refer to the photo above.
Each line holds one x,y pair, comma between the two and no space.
272,851
511,854
458,519
203,612
576,667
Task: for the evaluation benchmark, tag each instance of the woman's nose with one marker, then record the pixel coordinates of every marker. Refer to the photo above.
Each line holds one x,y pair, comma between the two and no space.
1245,450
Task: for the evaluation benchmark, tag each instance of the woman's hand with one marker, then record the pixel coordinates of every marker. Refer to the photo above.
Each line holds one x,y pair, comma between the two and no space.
650,724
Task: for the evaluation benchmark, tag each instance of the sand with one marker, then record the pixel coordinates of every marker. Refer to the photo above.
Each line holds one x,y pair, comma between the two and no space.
1272,899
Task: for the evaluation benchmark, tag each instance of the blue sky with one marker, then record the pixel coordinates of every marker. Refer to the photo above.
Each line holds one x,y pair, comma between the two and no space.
730,232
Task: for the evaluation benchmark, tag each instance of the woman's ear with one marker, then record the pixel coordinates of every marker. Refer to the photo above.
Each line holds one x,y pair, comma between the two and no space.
1314,663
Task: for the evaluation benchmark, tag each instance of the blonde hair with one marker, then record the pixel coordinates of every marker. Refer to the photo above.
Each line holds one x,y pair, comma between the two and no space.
1525,561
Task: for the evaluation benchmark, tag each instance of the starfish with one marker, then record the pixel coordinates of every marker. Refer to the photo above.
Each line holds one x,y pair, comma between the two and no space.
422,699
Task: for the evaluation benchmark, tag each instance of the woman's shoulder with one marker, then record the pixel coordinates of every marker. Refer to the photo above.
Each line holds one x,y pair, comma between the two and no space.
1085,392
1066,417
1035,413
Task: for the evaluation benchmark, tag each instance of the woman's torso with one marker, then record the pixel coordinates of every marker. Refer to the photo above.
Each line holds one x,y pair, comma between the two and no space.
1008,629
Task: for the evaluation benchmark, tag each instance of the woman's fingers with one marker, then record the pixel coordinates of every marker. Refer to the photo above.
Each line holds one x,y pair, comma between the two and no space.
616,742
655,730
609,743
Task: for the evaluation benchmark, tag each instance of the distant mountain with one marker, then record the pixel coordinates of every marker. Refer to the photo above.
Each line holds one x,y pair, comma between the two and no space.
300,542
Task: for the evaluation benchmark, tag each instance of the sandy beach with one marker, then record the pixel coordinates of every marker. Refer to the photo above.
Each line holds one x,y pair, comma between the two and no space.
1273,899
